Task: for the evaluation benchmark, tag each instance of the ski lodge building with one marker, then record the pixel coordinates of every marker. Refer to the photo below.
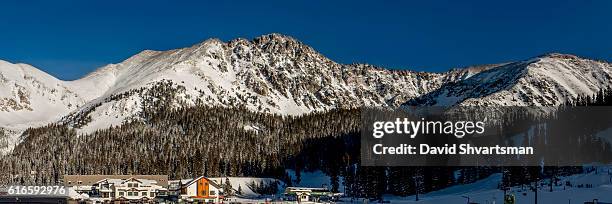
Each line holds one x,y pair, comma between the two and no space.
200,189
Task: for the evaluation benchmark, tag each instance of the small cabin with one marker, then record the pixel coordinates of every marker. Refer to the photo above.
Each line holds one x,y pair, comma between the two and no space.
303,194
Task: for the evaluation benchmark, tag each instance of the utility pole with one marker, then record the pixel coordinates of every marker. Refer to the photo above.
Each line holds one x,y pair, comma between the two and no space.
416,187
418,179
536,191
468,199
503,181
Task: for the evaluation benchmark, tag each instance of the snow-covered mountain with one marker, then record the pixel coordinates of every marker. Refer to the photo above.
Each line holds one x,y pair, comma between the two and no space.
276,74
29,96
32,98
547,80
272,73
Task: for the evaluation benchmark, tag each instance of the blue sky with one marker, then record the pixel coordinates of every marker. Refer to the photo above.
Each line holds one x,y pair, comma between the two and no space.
71,38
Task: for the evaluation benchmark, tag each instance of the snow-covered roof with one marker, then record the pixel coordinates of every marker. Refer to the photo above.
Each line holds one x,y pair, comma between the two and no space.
210,181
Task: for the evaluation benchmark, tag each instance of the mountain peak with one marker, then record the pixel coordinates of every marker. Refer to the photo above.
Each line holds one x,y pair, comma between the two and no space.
556,55
279,40
142,55
209,41
274,37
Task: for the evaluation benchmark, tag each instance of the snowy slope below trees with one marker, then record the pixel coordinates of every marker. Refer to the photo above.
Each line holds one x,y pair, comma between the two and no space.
486,191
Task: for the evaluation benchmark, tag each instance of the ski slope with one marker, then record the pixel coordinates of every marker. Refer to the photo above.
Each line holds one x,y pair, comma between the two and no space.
244,182
485,191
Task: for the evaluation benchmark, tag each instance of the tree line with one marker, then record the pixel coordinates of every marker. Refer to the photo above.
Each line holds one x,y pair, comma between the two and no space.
186,142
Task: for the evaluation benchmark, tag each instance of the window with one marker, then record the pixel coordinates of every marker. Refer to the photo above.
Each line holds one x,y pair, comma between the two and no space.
144,193
212,193
120,193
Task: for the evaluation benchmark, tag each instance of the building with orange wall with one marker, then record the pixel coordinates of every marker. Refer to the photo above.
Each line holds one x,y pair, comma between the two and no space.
200,189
